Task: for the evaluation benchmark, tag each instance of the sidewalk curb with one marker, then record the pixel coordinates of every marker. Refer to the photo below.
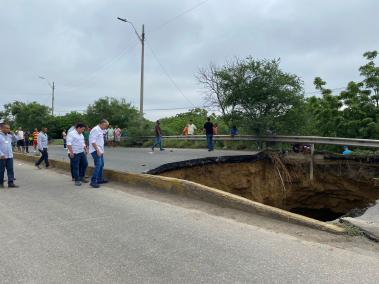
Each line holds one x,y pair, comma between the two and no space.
201,192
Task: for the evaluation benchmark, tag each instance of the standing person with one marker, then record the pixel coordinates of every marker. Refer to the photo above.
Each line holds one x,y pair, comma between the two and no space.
86,136
35,139
185,130
6,155
20,139
158,136
26,141
208,129
124,133
234,131
117,135
191,128
72,128
110,135
42,143
215,129
78,153
96,148
64,137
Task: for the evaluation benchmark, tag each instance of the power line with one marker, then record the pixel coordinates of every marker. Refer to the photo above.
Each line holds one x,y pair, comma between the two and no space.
168,75
123,52
180,15
107,63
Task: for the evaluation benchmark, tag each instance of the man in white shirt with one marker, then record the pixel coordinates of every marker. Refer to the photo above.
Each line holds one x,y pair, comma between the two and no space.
96,148
6,155
42,142
77,150
20,139
191,128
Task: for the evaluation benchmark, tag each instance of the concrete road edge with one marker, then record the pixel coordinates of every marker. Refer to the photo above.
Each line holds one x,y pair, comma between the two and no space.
200,192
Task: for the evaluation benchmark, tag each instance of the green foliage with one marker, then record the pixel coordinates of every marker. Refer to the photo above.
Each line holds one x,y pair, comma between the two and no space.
256,93
355,111
28,116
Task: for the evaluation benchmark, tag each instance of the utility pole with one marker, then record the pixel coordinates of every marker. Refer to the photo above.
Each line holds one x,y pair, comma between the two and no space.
52,99
142,70
142,40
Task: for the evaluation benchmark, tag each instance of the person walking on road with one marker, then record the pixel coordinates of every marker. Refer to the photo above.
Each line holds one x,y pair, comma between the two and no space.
6,155
158,136
78,154
208,129
42,143
96,148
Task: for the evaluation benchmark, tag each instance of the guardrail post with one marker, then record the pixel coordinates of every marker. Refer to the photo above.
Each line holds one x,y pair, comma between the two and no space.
312,162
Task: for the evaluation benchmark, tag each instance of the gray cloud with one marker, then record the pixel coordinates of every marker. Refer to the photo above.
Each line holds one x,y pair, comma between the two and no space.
88,53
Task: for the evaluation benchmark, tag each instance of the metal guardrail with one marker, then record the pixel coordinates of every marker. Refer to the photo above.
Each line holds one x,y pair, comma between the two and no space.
371,143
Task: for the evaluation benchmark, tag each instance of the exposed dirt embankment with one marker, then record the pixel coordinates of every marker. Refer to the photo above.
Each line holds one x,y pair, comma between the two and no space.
338,186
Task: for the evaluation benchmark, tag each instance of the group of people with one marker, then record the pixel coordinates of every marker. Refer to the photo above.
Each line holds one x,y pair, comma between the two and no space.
24,139
76,147
210,129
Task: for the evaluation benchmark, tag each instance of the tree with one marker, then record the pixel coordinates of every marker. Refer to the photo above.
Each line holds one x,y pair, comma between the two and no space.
119,113
256,92
26,115
370,72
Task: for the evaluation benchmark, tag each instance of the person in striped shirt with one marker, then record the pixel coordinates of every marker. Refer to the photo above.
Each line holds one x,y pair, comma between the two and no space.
35,139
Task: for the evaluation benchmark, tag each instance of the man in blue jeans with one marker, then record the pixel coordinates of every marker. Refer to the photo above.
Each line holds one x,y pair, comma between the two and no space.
77,150
208,129
42,144
6,155
158,136
96,148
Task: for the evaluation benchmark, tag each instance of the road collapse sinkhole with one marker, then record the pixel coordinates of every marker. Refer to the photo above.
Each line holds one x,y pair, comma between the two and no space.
340,187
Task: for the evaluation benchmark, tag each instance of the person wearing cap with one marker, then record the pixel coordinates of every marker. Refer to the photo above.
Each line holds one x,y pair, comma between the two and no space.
6,155
96,148
78,153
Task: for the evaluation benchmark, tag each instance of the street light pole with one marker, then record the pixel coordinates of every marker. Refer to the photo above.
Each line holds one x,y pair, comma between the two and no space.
52,86
142,40
142,70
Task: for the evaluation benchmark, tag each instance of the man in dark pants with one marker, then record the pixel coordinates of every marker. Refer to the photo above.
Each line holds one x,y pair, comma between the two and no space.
78,153
6,156
42,142
208,129
96,148
158,136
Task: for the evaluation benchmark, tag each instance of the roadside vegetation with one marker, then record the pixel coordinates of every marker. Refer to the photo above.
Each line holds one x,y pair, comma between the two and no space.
255,95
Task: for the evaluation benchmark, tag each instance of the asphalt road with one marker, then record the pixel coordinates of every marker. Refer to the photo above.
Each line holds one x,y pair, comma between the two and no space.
138,160
54,232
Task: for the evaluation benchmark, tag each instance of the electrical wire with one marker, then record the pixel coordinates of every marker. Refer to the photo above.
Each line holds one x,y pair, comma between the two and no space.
165,23
168,75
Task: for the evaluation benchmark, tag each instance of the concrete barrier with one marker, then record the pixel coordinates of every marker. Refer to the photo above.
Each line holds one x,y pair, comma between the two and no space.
200,192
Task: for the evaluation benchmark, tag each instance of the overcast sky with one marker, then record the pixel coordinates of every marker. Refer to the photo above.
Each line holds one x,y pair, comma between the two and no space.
90,54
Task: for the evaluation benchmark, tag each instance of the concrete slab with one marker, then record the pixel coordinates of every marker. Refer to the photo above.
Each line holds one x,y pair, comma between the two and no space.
368,222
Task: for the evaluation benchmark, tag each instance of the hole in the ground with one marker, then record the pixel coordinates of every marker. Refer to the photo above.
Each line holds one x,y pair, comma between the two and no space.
323,214
338,187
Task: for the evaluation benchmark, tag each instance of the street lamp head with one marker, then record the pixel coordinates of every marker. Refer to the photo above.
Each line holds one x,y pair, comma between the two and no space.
124,20
41,77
